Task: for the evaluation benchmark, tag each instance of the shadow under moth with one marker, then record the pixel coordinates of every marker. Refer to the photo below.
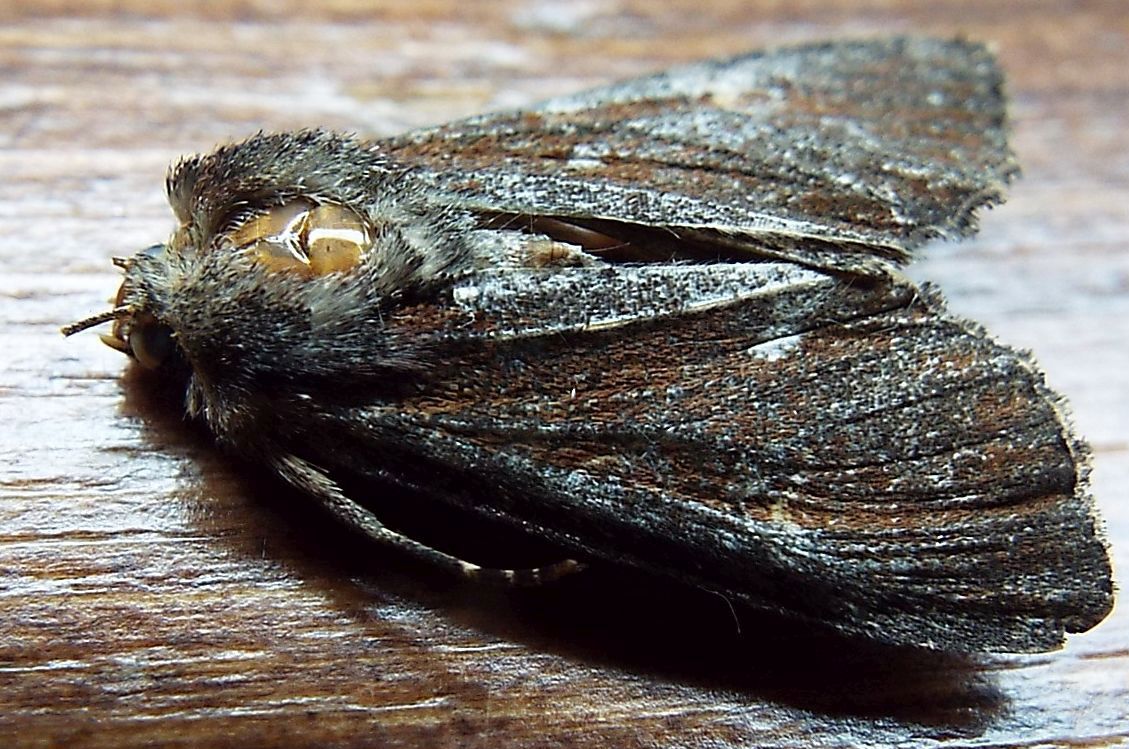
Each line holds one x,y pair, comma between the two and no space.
658,324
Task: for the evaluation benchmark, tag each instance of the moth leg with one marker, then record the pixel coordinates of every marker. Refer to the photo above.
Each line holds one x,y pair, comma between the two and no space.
574,234
308,478
548,253
525,577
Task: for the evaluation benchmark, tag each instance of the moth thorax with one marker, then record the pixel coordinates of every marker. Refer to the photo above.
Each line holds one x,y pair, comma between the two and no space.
306,238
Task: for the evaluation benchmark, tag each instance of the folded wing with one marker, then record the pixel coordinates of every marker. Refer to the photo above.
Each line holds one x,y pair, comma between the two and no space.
842,453
840,155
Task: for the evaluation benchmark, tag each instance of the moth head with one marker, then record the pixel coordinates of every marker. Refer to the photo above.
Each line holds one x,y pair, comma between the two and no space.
137,331
290,253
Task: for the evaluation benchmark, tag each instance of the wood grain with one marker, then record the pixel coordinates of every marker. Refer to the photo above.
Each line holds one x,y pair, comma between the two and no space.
154,593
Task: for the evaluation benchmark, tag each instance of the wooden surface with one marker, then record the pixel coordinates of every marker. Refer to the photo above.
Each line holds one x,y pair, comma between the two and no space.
152,593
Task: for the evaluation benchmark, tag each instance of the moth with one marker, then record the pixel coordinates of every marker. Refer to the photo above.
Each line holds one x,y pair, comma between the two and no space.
658,324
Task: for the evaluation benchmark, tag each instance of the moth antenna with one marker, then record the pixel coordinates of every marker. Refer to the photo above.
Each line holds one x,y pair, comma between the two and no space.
113,314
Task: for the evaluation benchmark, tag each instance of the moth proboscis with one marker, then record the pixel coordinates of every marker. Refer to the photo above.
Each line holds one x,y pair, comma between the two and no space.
658,324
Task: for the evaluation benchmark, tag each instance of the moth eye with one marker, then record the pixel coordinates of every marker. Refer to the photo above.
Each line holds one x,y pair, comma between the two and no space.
151,342
302,237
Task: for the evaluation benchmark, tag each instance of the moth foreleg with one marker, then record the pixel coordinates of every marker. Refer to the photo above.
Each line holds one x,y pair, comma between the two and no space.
308,478
526,577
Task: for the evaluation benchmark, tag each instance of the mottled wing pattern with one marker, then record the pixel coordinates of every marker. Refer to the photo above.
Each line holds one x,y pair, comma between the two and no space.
837,155
844,454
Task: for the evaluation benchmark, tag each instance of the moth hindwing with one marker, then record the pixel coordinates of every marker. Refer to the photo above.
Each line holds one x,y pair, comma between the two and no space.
657,324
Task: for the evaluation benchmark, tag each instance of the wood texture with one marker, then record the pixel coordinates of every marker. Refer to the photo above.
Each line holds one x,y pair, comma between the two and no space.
152,592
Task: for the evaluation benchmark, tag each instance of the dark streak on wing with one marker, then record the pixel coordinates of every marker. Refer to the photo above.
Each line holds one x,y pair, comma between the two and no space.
834,154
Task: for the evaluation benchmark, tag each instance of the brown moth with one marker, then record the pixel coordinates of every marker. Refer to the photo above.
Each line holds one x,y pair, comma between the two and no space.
658,324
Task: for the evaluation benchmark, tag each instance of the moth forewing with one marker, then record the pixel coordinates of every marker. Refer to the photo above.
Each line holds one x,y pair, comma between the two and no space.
840,155
842,453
